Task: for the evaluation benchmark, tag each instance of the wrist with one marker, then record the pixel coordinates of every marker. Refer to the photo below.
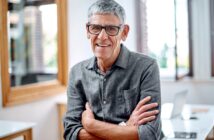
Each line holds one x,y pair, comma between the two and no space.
88,125
122,124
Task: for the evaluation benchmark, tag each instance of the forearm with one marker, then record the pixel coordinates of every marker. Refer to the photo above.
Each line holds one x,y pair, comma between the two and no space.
84,135
110,131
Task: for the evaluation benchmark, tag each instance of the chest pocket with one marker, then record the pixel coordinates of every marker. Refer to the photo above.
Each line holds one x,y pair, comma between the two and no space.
131,98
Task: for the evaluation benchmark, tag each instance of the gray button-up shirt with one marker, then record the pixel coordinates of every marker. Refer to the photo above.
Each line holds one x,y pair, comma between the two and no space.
113,96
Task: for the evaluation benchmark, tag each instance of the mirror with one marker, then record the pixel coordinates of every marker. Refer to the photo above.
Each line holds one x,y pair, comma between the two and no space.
33,49
32,34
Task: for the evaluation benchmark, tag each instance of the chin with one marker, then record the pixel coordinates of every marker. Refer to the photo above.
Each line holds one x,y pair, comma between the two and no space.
101,57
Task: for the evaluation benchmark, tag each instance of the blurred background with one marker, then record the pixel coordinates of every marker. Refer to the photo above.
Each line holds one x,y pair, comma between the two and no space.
178,34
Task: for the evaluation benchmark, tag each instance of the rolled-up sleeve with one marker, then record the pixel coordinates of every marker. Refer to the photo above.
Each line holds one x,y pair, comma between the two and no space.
75,107
150,86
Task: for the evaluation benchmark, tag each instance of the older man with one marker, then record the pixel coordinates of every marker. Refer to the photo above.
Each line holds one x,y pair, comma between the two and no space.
115,94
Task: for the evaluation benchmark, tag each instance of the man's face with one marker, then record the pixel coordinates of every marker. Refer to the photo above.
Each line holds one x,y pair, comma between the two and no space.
104,46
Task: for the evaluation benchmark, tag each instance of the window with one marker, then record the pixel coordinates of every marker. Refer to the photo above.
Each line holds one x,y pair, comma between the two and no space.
33,49
183,38
212,34
165,35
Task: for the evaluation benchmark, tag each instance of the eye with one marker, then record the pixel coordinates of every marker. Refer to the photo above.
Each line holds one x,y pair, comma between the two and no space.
112,29
95,28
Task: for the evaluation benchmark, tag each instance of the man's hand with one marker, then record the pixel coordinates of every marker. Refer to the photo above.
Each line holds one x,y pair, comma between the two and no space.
87,120
141,113
87,116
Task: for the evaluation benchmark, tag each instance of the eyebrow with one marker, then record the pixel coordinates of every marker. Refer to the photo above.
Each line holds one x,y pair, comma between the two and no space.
105,25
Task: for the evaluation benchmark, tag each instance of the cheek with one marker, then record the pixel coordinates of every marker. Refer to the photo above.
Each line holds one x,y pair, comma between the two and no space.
92,41
116,41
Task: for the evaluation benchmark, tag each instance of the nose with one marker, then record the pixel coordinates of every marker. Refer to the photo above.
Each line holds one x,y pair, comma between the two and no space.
103,35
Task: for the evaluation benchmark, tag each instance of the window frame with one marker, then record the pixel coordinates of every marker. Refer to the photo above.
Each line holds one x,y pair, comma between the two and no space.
190,73
141,47
212,35
190,39
28,93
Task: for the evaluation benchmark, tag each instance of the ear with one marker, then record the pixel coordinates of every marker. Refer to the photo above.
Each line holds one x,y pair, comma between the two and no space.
125,32
88,35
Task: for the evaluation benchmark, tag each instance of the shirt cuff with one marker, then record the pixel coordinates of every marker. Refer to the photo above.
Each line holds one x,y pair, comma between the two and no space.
75,134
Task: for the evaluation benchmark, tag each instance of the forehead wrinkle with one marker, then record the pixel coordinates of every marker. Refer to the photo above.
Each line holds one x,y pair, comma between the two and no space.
105,19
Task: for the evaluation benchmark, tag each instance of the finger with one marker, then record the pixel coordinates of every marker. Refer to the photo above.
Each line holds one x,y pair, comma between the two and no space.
87,106
143,102
148,114
83,114
146,120
147,107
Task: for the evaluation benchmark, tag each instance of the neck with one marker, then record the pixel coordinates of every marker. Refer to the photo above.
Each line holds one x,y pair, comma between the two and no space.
105,65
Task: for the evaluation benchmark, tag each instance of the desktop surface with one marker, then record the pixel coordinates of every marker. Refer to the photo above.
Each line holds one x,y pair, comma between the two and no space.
195,122
11,127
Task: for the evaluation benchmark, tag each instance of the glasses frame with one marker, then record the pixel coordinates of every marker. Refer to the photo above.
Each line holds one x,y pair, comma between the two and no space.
104,27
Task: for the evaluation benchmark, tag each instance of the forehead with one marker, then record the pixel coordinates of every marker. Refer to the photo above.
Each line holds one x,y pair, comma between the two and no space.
104,19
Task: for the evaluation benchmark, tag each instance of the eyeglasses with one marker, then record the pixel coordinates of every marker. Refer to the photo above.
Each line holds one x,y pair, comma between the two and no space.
111,30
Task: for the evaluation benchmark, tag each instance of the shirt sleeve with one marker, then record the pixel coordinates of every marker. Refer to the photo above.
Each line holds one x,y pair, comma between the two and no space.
75,106
150,86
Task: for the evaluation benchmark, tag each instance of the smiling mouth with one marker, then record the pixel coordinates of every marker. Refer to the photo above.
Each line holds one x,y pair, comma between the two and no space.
102,45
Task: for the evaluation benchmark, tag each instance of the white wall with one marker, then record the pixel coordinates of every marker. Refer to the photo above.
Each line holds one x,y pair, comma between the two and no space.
44,112
200,92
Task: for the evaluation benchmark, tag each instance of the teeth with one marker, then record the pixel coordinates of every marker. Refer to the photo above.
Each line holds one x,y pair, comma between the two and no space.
102,45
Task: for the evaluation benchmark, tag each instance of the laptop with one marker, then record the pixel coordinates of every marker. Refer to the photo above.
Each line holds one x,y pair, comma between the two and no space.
177,106
178,103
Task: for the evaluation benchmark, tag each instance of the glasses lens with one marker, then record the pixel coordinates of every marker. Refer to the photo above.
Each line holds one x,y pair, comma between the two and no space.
112,30
95,29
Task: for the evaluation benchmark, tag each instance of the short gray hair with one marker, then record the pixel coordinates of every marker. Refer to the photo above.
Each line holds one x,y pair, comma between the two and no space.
107,7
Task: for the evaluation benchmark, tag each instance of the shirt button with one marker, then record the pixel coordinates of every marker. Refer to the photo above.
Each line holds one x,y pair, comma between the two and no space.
104,79
104,102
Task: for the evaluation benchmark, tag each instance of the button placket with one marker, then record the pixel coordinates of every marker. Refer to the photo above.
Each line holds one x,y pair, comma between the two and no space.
104,98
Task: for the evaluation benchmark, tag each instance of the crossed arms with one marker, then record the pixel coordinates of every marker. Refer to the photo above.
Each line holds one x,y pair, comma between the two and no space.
140,125
97,130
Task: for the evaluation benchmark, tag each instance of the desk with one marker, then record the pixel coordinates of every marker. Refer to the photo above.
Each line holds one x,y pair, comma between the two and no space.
11,129
203,125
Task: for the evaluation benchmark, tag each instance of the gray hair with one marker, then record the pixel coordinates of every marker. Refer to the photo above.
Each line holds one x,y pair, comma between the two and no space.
107,7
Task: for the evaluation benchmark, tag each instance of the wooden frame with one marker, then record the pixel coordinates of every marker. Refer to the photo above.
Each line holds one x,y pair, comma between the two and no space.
22,94
27,134
61,107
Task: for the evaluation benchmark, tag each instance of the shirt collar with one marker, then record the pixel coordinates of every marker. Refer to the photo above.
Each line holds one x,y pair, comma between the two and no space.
121,61
123,58
92,64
